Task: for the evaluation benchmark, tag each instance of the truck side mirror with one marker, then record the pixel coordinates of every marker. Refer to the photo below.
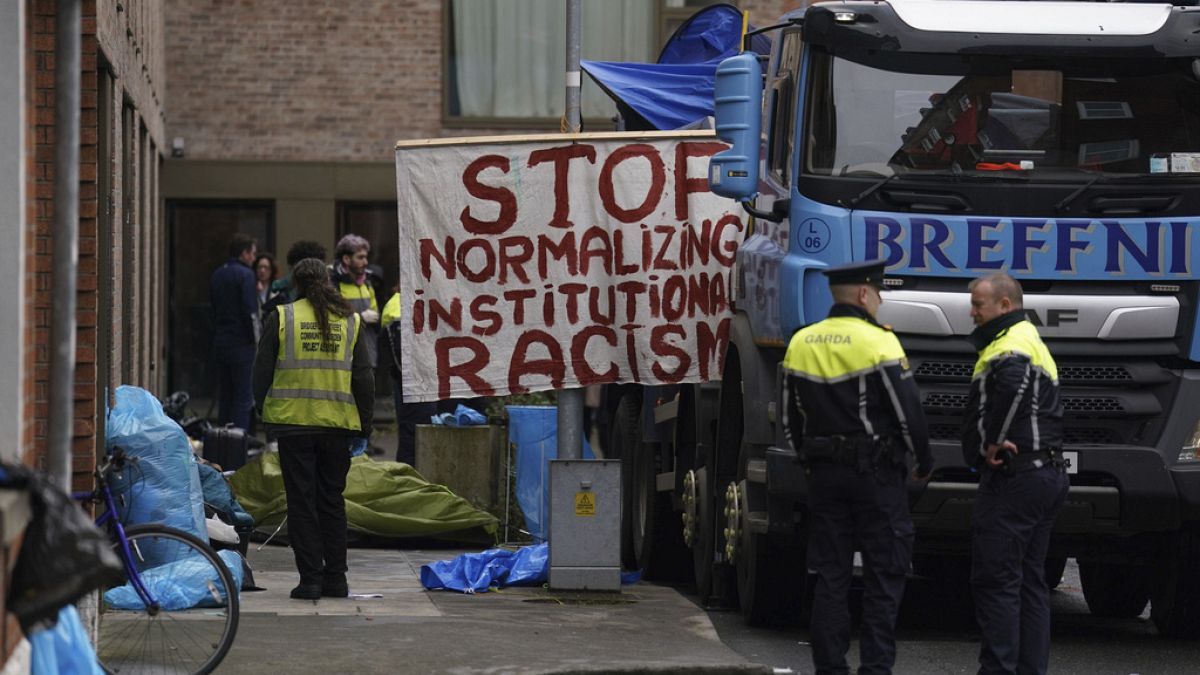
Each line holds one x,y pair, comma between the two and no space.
737,98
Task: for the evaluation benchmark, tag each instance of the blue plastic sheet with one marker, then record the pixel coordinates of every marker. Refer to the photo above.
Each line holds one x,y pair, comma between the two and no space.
499,567
63,649
218,493
461,417
181,584
678,89
163,485
496,567
534,430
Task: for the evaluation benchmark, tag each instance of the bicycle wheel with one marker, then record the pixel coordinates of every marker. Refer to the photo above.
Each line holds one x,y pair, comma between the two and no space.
193,624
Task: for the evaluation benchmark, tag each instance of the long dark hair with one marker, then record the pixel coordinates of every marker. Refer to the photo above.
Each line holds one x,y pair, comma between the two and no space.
311,279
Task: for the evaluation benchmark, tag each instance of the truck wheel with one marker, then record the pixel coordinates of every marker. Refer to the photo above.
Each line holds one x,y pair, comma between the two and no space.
1113,590
1176,607
703,535
655,535
1055,567
771,572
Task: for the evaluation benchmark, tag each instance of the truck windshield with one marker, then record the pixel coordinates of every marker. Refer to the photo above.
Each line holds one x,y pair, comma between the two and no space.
971,115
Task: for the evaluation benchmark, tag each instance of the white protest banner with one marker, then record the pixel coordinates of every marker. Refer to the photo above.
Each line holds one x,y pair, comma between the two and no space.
551,262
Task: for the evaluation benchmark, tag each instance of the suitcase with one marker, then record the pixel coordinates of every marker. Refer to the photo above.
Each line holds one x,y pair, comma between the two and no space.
225,446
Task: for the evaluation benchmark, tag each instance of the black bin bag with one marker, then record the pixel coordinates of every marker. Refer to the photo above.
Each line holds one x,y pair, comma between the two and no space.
63,555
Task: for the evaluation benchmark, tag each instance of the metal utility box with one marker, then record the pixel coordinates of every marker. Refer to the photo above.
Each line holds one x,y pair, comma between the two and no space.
585,524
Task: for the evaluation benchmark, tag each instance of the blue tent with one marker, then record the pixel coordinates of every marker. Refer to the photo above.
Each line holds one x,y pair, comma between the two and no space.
677,90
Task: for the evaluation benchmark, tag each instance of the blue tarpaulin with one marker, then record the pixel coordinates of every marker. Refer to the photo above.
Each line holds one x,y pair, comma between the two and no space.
477,572
496,567
533,429
678,90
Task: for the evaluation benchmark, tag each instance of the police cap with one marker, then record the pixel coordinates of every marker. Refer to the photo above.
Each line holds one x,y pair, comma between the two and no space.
867,272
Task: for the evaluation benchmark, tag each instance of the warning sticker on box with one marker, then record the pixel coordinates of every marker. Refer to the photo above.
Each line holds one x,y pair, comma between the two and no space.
585,504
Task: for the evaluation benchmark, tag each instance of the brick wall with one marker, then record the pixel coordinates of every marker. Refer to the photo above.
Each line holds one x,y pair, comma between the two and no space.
314,80
123,38
303,80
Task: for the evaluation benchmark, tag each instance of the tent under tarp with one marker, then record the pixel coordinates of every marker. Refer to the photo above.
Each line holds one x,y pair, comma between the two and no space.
677,90
383,499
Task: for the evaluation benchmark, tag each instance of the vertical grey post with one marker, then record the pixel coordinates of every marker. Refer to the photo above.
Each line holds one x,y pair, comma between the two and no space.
570,401
574,13
66,238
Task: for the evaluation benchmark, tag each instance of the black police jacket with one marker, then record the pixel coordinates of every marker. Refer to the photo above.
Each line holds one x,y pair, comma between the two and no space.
1014,390
848,376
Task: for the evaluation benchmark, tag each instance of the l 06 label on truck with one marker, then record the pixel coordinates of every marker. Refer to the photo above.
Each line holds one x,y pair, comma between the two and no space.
561,262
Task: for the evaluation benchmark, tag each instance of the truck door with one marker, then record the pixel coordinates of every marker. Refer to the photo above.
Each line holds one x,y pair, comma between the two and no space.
761,254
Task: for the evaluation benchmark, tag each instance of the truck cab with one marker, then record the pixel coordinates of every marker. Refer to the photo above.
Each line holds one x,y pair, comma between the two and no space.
1057,141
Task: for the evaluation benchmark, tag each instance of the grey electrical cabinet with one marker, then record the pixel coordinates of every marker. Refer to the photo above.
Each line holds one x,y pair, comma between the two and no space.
585,524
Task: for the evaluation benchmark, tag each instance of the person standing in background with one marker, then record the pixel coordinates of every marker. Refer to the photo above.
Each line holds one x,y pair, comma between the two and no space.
853,414
265,273
281,289
315,390
235,330
408,415
352,280
1012,433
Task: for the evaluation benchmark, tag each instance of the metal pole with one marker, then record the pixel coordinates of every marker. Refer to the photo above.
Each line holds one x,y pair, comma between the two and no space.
66,239
574,12
570,401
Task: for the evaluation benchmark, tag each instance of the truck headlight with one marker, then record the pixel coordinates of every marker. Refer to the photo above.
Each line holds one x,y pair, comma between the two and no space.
1190,452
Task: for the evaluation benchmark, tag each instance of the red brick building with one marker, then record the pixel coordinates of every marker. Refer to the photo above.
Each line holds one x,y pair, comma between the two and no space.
120,292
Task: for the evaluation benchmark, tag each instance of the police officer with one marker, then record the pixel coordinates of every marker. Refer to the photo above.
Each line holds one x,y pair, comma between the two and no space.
1013,433
853,415
315,387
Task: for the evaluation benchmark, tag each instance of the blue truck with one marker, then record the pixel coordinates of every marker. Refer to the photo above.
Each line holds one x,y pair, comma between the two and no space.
1058,141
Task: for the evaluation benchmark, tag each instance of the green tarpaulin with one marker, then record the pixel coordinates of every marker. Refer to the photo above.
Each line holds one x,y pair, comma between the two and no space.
383,499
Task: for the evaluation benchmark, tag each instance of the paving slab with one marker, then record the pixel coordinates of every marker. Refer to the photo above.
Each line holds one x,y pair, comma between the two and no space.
647,628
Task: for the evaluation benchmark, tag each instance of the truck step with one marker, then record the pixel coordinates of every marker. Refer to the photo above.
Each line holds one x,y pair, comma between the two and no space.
756,471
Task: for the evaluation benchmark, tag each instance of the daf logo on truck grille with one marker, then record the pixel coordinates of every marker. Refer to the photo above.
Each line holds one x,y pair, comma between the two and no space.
1091,317
1052,317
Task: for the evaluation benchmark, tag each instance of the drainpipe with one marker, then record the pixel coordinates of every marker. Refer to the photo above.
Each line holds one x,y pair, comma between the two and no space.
67,64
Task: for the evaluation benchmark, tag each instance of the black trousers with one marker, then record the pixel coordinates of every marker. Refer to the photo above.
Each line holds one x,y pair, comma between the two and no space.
408,416
867,512
314,470
1010,528
234,396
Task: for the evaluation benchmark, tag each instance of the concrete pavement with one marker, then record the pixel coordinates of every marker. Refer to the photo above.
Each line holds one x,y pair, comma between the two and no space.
645,629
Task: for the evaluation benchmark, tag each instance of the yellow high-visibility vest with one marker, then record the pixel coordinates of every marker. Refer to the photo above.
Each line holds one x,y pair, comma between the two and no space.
391,311
839,348
312,376
361,298
1021,338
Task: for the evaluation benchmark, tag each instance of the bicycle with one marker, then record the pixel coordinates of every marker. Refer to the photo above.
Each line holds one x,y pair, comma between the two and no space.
173,614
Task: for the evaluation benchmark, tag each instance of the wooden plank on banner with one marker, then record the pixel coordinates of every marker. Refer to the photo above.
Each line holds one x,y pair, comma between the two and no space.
556,138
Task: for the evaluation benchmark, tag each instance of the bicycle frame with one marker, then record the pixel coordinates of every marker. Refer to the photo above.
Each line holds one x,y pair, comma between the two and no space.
109,518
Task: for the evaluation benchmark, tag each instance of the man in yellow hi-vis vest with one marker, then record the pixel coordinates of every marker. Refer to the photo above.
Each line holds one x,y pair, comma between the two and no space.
315,388
353,279
853,415
1013,433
